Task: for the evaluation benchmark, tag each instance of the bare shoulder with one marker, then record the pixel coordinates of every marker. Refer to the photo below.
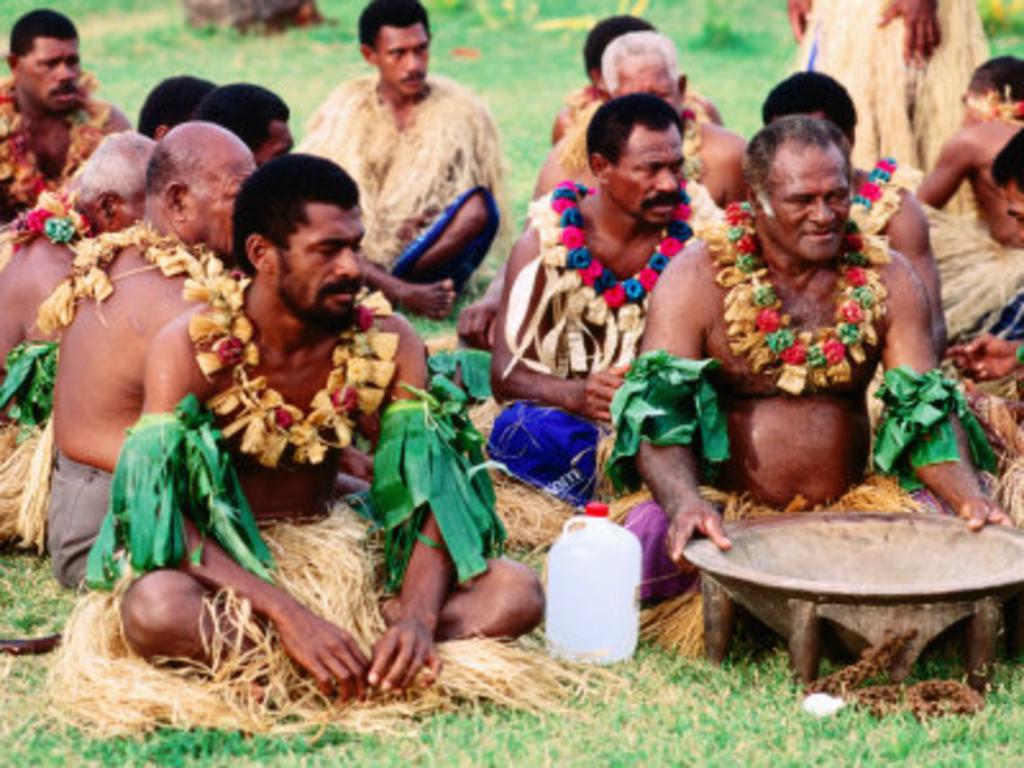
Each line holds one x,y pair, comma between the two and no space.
409,341
721,143
172,370
117,121
688,281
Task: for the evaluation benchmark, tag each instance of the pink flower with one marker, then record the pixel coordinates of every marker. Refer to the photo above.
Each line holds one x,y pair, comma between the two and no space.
856,277
561,204
670,246
887,166
229,351
283,419
683,212
851,312
364,318
566,185
794,355
648,278
768,321
835,351
615,296
591,273
345,400
870,190
573,238
36,220
747,244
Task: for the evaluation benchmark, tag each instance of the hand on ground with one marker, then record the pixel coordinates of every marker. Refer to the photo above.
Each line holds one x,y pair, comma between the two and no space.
325,651
400,653
476,324
699,518
433,300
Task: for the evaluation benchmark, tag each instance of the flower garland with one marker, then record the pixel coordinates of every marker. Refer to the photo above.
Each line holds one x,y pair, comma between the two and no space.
565,201
89,278
759,331
994,107
55,218
693,166
363,366
880,196
21,181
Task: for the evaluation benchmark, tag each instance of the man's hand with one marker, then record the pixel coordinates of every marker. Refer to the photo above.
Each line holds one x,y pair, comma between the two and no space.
798,11
433,300
700,518
355,463
921,34
476,323
980,511
986,357
410,229
596,395
401,653
325,651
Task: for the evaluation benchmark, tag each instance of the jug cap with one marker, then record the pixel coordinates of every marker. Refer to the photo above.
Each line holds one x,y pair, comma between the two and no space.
596,509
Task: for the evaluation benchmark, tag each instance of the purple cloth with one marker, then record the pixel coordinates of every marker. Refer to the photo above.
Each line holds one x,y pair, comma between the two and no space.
660,578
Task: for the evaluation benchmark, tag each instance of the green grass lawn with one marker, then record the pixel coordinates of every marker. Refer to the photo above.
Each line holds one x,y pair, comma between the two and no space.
672,710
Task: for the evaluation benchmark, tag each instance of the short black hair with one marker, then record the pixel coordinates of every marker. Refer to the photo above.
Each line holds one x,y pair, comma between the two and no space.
614,122
1009,163
245,109
272,201
604,32
998,74
172,102
390,13
807,92
41,23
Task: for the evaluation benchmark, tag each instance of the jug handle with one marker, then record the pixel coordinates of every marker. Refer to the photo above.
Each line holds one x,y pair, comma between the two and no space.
578,522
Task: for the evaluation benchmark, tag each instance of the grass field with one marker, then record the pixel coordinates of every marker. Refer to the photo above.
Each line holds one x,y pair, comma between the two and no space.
671,710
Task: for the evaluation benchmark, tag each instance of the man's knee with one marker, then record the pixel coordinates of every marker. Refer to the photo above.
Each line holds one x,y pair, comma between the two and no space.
158,610
519,588
475,214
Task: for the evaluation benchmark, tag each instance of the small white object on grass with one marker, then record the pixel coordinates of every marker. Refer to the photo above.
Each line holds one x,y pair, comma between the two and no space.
823,705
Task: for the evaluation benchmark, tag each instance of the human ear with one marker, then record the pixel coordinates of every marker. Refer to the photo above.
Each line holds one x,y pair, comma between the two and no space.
369,54
261,254
599,166
177,201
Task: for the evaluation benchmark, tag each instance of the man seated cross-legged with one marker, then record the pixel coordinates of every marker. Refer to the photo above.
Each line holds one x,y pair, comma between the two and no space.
760,343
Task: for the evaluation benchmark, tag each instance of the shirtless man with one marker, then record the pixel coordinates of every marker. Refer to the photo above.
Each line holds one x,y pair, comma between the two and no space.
426,155
797,428
110,193
553,359
49,122
995,112
297,234
255,115
171,102
906,228
191,183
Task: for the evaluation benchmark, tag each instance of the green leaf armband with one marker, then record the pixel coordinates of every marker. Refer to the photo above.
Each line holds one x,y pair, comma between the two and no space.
174,466
665,400
430,459
916,431
27,391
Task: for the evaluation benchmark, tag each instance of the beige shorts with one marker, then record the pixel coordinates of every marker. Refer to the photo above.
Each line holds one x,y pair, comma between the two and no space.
79,496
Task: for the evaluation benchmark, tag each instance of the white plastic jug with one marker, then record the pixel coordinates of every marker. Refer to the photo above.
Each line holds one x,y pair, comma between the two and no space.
593,585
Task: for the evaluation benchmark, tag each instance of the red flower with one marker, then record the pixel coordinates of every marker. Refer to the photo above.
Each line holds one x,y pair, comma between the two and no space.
364,318
670,246
735,215
237,274
615,296
562,204
851,312
854,241
345,400
573,238
835,351
591,273
747,244
229,351
283,419
856,277
870,190
768,321
683,212
36,220
794,355
648,278
1019,111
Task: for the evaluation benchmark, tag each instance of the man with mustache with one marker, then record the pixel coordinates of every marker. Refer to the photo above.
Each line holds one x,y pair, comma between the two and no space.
426,155
49,123
761,341
125,286
575,299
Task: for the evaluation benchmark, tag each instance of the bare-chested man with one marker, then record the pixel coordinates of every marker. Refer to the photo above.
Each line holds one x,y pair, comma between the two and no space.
257,116
191,183
297,234
900,219
813,308
48,122
109,194
171,102
575,300
994,113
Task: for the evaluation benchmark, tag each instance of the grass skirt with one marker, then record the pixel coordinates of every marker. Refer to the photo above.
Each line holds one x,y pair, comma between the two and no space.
25,469
677,624
97,682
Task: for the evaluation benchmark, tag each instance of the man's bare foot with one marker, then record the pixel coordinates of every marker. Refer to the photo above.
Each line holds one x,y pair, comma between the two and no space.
434,300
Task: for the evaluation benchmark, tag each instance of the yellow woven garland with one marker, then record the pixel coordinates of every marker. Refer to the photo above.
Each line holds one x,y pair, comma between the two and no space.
363,361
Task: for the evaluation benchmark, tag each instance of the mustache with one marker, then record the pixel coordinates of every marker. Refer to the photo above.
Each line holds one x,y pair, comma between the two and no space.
415,78
341,286
664,198
68,88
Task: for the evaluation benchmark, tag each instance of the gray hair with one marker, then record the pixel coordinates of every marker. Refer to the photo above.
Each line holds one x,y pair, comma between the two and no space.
118,165
637,45
800,130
